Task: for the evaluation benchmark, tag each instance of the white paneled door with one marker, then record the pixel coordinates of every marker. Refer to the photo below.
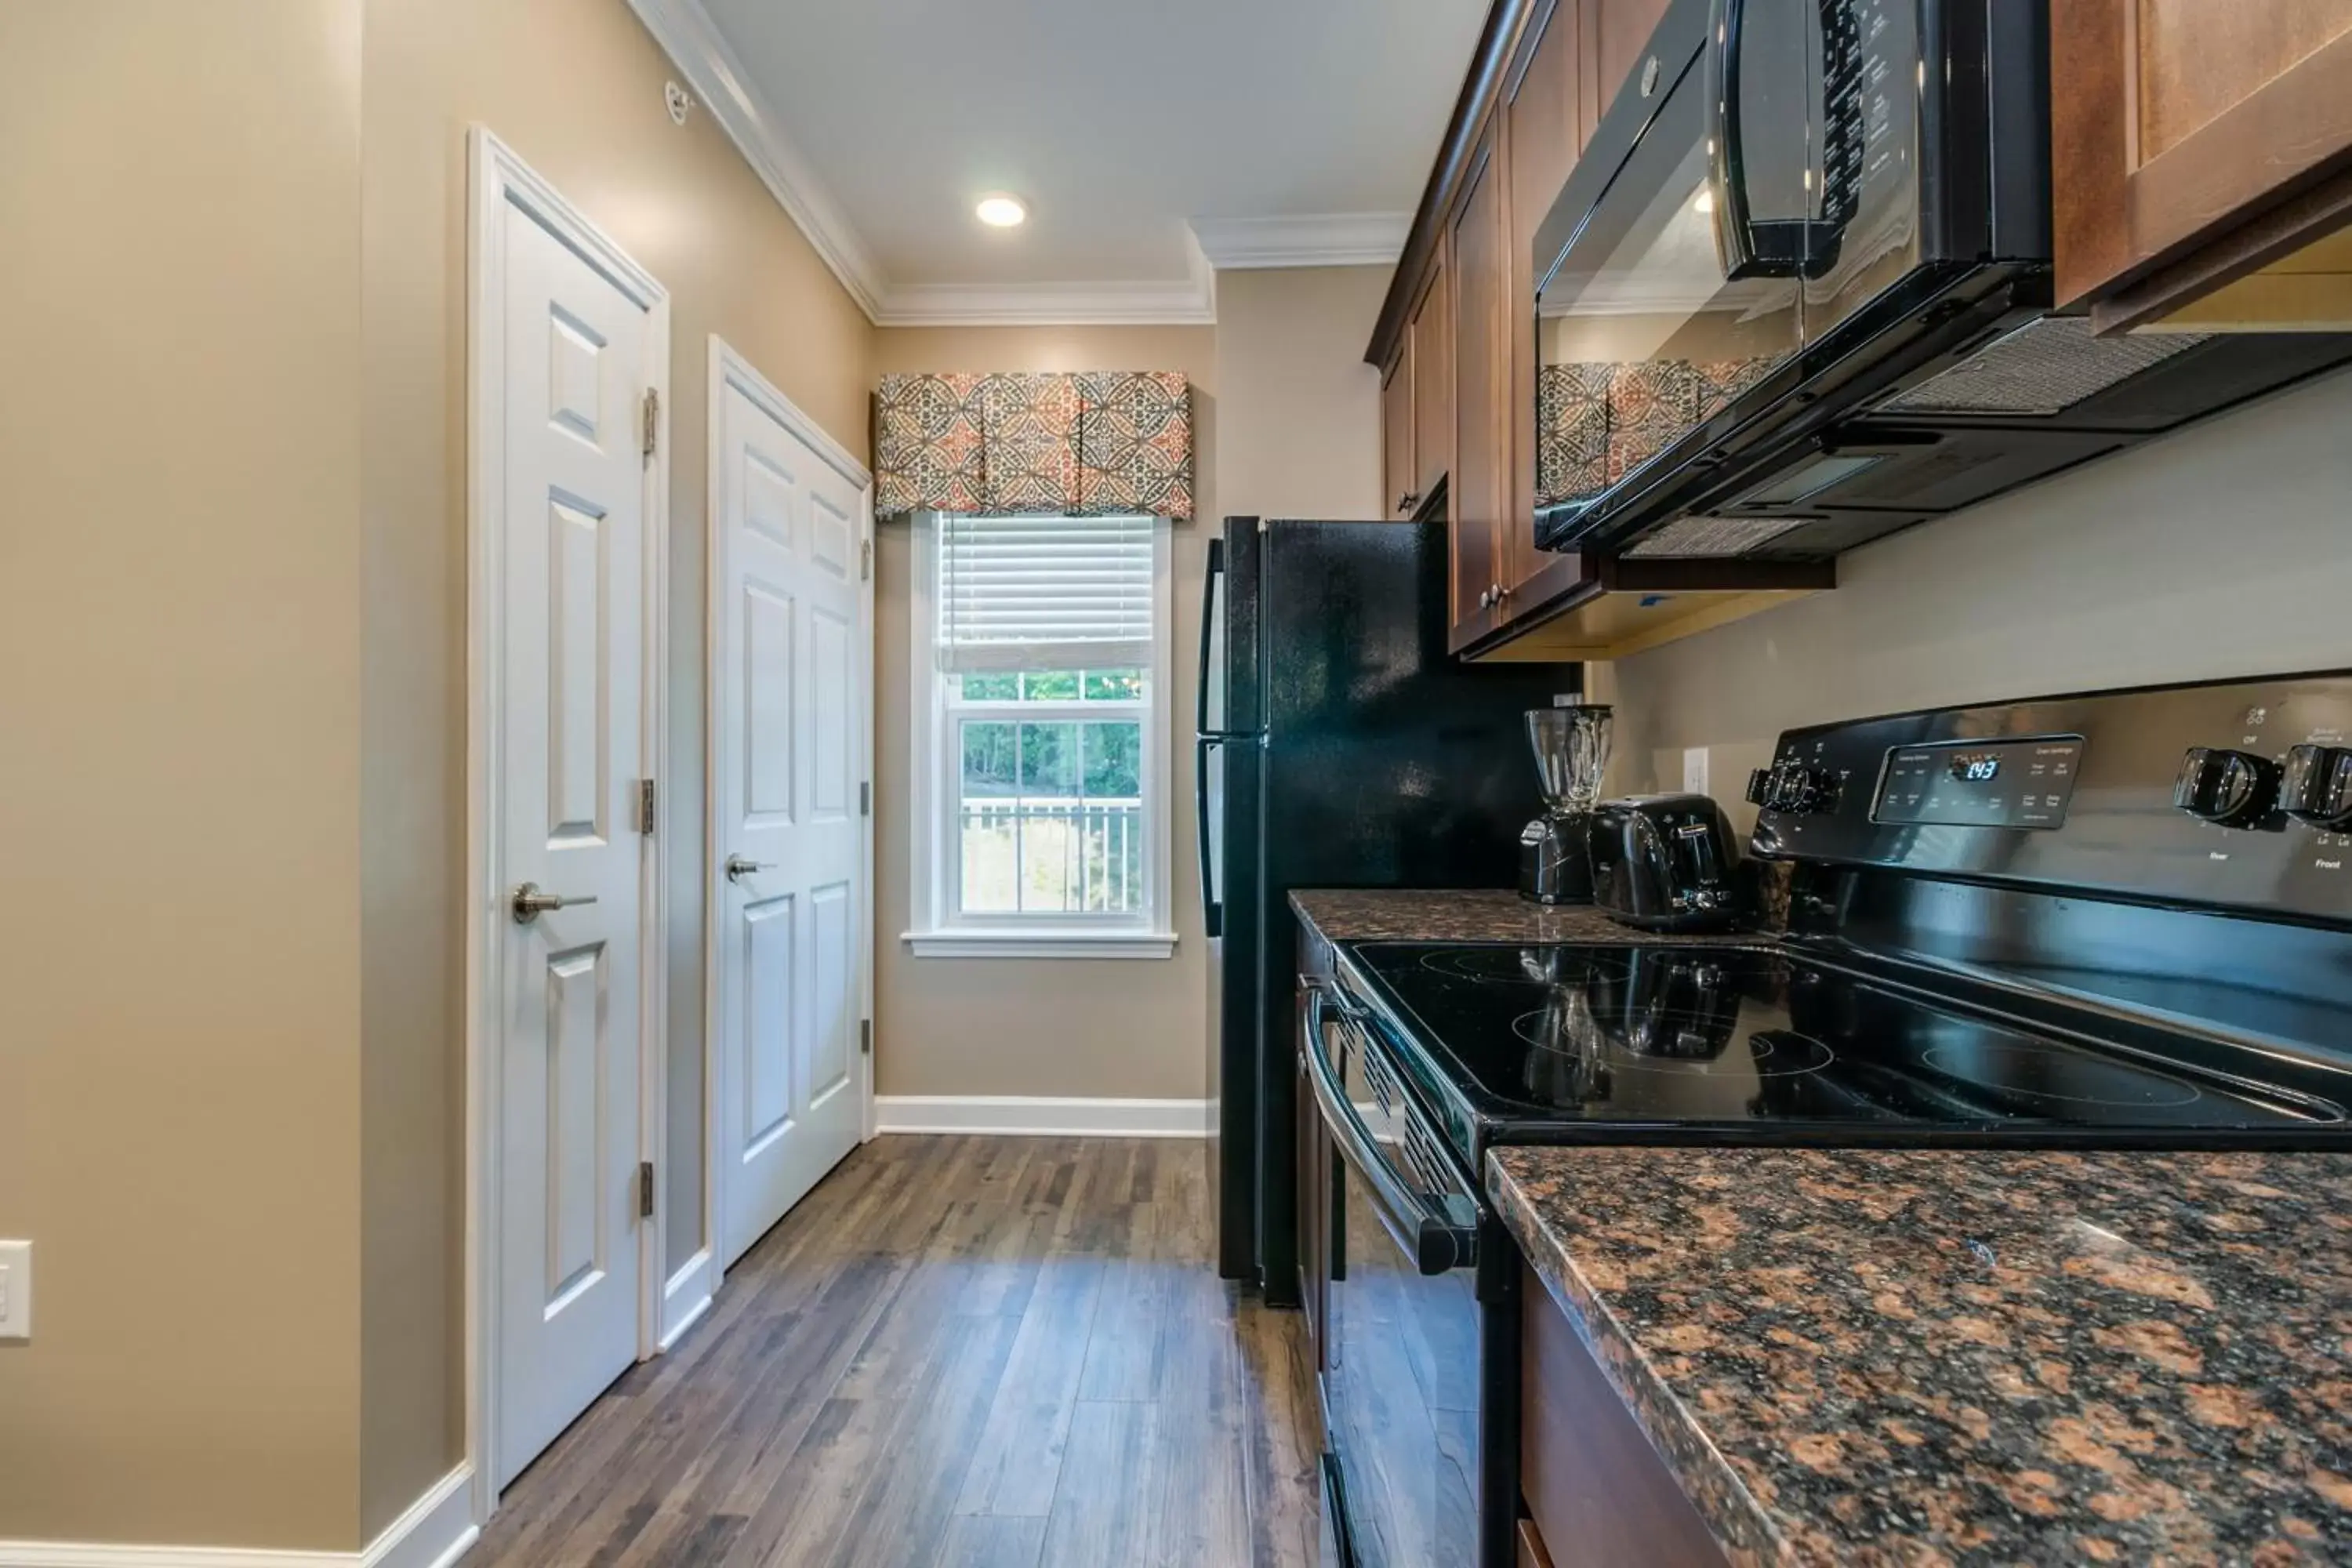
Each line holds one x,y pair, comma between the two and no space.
789,704
576,352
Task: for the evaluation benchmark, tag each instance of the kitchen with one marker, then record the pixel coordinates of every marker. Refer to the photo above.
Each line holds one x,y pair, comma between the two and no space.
1363,782
1949,1164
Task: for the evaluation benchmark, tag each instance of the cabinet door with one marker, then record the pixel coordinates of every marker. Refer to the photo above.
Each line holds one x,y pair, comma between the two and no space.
1433,380
2195,141
1616,40
1481,484
1397,471
1542,141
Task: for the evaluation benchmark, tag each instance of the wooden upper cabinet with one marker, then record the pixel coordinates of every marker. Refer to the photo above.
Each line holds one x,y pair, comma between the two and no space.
1397,470
1542,139
1480,485
1616,41
2194,143
1432,341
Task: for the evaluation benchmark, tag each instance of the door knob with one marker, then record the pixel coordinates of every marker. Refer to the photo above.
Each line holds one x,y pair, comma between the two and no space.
529,903
739,868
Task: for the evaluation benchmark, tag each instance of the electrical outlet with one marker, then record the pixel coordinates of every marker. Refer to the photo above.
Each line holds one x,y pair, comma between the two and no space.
16,1290
1695,770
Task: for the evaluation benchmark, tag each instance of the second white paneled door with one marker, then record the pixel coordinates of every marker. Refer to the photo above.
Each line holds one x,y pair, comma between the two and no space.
791,731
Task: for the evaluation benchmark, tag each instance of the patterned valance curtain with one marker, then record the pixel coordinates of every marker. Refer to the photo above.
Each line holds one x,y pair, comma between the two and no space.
1085,443
1596,422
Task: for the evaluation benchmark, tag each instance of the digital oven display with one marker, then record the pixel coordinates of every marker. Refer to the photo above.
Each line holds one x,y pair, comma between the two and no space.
1980,783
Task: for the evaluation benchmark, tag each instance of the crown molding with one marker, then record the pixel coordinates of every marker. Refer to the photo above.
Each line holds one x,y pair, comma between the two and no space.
1322,240
1191,302
686,33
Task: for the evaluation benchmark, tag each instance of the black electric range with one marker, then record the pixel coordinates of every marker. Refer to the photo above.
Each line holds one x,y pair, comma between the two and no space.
1509,1043
2122,919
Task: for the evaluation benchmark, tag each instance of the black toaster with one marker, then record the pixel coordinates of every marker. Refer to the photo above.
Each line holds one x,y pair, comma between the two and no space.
1665,862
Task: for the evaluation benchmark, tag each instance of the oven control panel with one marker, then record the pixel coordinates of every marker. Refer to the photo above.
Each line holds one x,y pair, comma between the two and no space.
2234,795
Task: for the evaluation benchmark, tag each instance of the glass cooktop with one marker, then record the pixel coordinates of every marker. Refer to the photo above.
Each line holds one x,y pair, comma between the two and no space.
1522,1044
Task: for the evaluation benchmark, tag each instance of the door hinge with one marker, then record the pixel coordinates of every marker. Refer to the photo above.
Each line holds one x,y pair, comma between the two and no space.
864,1037
646,806
865,797
646,1190
653,420
865,560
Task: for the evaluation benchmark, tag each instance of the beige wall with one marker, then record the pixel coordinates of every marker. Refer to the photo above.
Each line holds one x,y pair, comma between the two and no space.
2218,551
575,87
180,563
1108,1027
1287,422
1299,410
232,662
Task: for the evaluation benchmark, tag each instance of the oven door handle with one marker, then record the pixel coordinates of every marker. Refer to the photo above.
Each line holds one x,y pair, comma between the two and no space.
1420,1228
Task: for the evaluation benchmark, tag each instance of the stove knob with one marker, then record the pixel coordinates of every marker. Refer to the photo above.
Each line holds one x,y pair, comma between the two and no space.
1799,790
2230,788
2317,787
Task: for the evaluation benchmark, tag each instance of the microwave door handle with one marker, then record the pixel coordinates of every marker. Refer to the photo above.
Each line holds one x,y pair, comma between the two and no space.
1422,1232
1783,247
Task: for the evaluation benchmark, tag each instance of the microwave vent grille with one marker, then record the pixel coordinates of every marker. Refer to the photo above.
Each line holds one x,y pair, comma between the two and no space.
1702,538
2044,367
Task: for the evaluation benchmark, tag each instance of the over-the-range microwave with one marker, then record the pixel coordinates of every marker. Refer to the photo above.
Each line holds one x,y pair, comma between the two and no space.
1796,294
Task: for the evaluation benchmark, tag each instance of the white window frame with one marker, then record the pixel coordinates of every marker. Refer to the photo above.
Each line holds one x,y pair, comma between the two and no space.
941,931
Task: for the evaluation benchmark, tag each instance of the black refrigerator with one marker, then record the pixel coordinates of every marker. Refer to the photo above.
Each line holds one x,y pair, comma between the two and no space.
1340,746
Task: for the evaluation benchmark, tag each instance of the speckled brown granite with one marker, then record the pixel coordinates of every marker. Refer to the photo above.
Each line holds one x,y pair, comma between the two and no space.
1939,1356
1477,914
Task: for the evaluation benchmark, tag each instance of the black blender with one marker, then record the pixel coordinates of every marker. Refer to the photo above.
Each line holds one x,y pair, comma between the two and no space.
1572,746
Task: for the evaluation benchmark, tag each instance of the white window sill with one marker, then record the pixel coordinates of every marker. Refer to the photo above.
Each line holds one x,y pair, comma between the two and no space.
1041,943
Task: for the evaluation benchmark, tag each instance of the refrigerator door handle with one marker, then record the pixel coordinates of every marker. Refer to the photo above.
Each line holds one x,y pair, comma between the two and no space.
1209,606
1213,908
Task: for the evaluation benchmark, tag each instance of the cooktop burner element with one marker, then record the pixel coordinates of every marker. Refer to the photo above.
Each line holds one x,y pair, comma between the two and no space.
1660,1041
2056,1077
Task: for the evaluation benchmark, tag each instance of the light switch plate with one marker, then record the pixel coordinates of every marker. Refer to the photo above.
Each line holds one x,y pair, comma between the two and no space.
15,1290
1695,770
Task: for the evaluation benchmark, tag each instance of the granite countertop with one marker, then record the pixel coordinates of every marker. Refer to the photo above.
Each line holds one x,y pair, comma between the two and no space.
1455,914
1931,1356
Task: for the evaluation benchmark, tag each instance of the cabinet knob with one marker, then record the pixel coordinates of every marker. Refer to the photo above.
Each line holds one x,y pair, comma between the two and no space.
1486,598
1407,502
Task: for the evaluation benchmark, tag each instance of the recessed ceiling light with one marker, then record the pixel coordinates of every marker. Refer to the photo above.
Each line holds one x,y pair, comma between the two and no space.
1001,211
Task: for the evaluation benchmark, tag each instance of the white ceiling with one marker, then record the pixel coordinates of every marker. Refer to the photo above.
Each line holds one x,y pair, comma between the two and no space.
1118,121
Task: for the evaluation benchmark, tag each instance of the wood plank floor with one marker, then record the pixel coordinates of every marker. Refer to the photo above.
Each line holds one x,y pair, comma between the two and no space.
1004,1352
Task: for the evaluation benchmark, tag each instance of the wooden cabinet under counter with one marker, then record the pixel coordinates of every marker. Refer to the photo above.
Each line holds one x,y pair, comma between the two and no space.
1587,1474
2201,161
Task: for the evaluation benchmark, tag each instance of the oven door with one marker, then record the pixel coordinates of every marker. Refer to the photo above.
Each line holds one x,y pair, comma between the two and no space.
1404,1326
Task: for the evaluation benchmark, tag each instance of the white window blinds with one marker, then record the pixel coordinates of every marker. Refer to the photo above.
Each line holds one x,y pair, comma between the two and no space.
1044,592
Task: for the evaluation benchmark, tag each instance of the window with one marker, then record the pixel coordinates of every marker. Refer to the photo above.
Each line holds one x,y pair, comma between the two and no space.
1040,678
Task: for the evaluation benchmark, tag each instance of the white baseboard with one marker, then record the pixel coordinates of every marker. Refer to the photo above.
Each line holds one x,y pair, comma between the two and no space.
435,1531
1041,1116
687,1296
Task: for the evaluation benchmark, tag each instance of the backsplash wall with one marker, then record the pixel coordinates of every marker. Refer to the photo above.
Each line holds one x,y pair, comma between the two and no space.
2223,551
